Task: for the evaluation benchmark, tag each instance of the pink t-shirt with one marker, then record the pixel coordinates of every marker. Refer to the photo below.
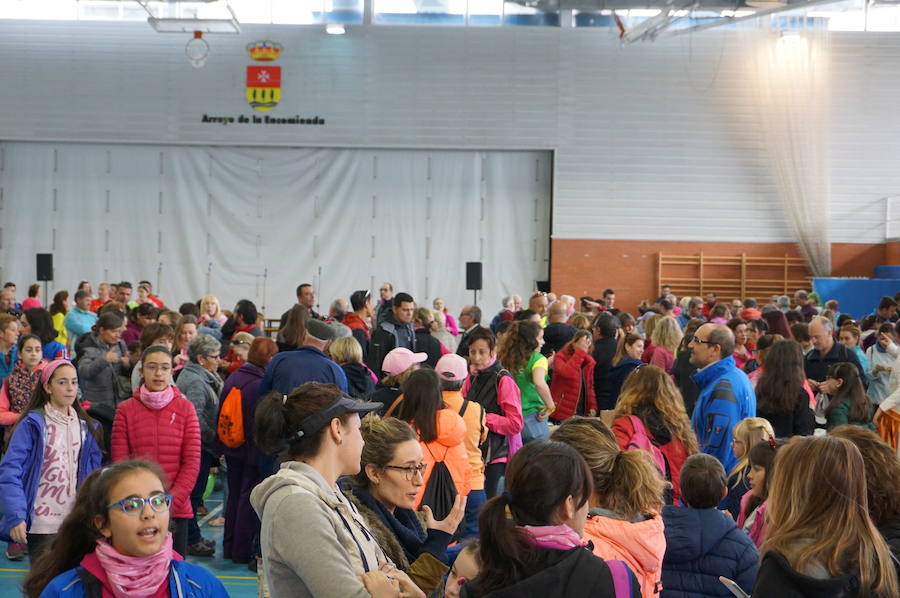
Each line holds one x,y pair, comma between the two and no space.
59,473
30,302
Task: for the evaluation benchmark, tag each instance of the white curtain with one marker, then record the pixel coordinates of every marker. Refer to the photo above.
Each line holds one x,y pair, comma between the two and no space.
789,74
255,222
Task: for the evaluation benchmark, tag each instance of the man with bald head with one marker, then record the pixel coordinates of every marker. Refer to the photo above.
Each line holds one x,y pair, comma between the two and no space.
726,395
826,352
557,333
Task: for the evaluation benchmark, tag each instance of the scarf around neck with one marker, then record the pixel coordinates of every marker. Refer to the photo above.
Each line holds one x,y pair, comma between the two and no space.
156,400
20,384
556,537
404,524
132,576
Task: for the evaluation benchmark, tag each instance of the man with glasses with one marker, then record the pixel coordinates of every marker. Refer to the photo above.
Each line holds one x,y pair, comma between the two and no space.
826,352
726,395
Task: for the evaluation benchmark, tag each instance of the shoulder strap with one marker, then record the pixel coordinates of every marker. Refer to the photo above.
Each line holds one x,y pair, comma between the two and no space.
465,405
393,406
621,577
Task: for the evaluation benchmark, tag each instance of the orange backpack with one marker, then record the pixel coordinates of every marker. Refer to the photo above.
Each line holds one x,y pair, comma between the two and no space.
231,420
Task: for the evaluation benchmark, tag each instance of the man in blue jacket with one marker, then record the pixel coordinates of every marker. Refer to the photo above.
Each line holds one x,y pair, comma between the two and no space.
726,395
290,369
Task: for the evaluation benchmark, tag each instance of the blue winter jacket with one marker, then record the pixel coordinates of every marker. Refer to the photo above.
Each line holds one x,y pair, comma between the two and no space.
20,470
186,580
701,545
726,397
290,369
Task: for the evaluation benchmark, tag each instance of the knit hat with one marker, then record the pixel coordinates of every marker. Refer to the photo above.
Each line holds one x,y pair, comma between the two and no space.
320,330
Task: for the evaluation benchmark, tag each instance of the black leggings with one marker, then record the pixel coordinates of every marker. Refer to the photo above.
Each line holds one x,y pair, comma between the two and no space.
492,475
37,544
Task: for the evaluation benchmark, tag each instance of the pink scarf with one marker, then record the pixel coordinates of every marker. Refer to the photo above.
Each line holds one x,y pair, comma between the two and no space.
156,400
131,576
556,537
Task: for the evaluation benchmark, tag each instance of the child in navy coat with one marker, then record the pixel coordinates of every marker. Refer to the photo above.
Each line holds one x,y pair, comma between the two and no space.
703,542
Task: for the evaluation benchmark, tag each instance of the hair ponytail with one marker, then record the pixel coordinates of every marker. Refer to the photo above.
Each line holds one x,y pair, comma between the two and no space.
278,418
539,479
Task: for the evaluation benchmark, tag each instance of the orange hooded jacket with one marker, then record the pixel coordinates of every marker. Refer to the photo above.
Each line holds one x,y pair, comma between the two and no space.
641,544
450,448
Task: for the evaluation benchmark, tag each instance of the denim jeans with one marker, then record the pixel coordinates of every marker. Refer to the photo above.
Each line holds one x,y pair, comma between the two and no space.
534,429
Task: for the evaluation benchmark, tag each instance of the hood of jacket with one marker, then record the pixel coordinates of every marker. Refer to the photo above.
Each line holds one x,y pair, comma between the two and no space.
451,428
818,586
694,533
210,378
358,375
627,362
643,540
291,476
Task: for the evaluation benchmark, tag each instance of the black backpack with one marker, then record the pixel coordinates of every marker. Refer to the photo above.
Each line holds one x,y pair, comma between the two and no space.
440,491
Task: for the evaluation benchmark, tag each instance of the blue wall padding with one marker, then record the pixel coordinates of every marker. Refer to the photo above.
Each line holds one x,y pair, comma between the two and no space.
855,296
887,272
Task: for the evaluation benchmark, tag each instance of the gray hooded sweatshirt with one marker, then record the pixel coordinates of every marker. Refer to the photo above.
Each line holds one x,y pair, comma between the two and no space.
314,542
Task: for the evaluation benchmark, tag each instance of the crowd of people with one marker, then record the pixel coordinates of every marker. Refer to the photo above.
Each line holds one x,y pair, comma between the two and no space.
561,447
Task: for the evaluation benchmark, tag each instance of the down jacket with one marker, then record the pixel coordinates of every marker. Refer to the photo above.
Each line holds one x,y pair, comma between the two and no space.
169,436
701,545
571,371
641,544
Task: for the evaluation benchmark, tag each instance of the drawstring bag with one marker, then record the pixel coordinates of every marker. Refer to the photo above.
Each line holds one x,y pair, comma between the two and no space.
231,420
440,490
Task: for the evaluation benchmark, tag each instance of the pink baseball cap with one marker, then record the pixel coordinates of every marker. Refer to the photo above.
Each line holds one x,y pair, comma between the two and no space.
399,360
452,367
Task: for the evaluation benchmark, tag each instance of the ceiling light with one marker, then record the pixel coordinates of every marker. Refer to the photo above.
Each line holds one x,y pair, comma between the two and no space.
335,29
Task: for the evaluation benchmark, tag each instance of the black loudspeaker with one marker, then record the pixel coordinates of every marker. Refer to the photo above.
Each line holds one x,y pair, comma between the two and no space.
543,286
473,276
45,266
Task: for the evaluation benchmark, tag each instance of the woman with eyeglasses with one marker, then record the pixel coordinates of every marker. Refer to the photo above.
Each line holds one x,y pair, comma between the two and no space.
116,542
314,542
53,448
158,423
200,384
384,491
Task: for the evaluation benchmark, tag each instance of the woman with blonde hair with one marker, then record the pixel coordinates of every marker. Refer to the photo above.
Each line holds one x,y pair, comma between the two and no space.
746,434
581,321
441,332
666,337
211,311
347,353
649,327
651,405
820,539
624,521
424,327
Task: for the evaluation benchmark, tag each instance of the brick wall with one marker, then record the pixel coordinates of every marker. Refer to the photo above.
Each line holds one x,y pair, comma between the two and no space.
586,267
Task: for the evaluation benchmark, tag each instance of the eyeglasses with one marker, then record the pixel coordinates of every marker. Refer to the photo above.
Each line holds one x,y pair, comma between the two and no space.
409,471
134,505
216,356
153,367
700,341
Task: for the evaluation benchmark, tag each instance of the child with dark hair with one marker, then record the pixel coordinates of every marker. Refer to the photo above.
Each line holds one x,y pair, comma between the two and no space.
531,534
848,402
53,448
39,322
116,542
753,505
702,542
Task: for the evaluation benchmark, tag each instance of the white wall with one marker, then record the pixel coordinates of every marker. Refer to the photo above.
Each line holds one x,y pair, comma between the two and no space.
653,141
255,222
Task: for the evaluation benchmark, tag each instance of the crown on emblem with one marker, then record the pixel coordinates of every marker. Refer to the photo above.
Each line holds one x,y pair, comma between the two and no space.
264,50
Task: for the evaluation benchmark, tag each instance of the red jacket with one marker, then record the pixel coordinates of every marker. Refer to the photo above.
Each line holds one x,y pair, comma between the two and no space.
674,450
170,437
570,371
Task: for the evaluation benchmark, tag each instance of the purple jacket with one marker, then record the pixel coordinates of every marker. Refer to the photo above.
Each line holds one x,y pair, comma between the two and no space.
247,378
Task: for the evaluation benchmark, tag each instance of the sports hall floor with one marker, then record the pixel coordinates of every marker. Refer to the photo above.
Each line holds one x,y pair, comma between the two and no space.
238,580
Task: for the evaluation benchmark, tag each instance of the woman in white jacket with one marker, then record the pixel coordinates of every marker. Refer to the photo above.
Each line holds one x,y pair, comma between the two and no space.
314,542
